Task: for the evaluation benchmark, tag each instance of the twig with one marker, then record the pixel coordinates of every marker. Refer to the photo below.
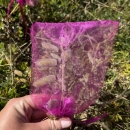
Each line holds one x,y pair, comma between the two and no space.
22,51
119,126
23,45
121,96
14,9
3,98
109,7
17,47
11,67
6,65
102,124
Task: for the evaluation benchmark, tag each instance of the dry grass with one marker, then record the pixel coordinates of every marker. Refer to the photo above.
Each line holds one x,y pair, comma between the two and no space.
15,55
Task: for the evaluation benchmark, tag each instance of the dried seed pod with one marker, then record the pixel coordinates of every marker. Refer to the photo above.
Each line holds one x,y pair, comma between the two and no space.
52,104
55,56
19,73
46,62
50,47
66,55
44,81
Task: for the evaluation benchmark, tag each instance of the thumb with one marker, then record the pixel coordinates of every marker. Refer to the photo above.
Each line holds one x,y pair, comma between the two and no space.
50,124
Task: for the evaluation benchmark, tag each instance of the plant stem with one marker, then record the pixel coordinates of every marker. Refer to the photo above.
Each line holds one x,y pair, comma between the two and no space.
63,69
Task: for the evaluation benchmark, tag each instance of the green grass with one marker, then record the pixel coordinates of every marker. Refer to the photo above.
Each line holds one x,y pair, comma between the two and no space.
15,54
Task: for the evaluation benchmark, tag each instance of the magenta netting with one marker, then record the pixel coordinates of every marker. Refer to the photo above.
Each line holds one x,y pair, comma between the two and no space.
69,62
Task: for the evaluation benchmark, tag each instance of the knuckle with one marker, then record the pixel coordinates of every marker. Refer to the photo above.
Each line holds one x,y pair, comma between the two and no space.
54,125
12,101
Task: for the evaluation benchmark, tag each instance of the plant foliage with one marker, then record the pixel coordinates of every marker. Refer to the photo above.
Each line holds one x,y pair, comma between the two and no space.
15,54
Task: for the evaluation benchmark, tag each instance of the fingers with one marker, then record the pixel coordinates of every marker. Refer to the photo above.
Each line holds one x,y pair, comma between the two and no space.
56,124
50,124
37,99
29,101
26,108
38,115
65,122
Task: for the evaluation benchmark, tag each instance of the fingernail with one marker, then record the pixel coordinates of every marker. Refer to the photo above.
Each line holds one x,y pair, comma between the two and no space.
65,122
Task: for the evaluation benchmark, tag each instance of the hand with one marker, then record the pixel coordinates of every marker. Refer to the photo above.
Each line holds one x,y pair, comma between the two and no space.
21,114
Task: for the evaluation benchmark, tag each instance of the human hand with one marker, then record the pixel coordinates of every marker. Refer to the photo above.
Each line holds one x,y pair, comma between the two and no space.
21,114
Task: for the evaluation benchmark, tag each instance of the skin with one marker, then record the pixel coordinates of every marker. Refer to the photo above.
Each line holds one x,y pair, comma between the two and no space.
21,114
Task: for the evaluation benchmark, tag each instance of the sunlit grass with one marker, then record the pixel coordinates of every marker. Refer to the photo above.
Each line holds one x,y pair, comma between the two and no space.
15,54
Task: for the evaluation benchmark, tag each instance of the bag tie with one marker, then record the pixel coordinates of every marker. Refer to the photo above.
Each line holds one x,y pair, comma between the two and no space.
91,120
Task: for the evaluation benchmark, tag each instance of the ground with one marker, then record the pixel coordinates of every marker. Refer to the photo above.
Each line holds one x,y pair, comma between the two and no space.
15,55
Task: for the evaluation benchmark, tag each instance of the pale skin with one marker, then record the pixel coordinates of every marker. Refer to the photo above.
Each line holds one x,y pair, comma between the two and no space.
21,114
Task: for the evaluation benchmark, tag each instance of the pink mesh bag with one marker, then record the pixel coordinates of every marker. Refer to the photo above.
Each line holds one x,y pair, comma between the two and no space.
69,62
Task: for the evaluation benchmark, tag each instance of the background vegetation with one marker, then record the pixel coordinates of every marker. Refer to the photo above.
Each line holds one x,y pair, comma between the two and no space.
15,55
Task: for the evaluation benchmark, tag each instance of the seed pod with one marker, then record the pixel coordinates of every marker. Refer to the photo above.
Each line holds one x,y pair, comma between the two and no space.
52,104
50,47
55,56
17,72
66,55
46,62
44,81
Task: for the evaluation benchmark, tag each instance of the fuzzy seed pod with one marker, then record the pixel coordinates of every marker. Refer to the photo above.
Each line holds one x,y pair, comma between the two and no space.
55,56
46,62
50,47
66,55
44,81
52,104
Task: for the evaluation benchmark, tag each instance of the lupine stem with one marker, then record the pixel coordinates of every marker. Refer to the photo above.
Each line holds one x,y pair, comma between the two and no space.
63,69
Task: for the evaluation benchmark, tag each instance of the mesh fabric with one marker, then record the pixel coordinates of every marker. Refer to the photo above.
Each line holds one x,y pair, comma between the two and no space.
69,63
